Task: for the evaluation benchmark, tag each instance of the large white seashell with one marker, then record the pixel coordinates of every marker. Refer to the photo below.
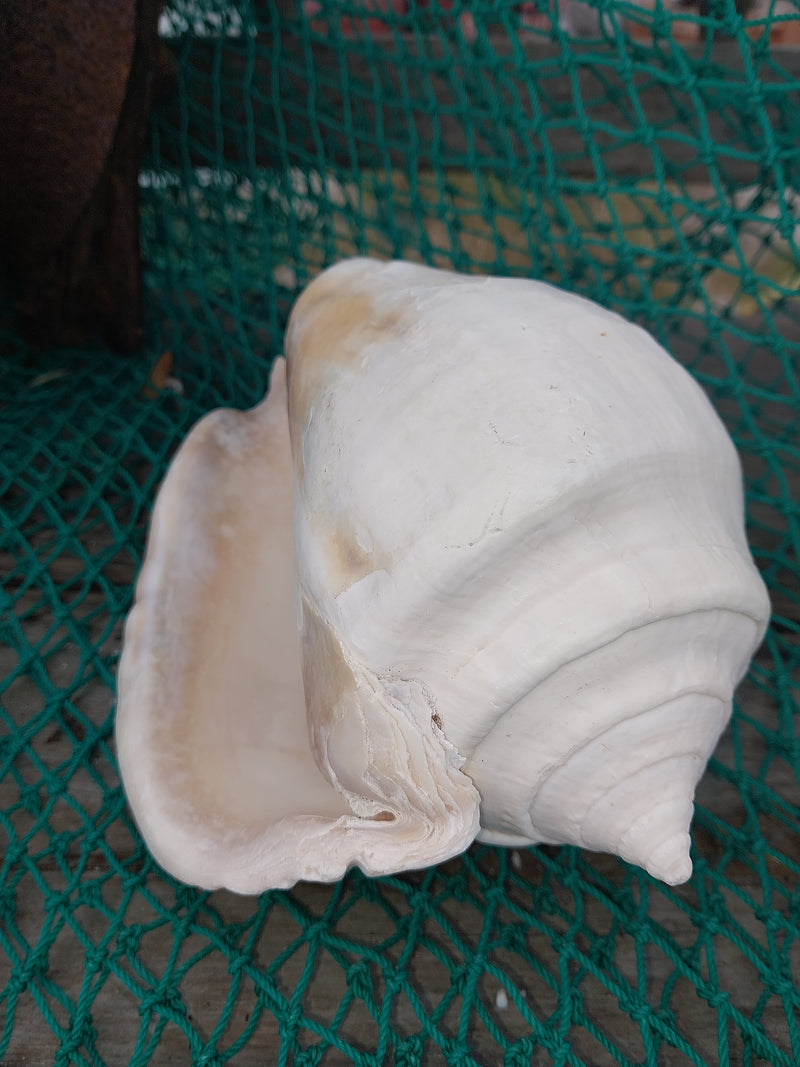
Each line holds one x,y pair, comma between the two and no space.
520,603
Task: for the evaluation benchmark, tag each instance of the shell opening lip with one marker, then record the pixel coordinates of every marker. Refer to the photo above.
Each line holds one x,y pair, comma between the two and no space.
244,803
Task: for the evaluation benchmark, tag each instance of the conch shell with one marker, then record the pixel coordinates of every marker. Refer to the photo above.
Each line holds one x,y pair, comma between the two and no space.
480,572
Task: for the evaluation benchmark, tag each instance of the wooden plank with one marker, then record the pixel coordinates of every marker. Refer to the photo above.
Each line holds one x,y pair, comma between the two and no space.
508,102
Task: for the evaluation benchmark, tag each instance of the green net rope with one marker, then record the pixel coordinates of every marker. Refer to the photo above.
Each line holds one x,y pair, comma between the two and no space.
651,162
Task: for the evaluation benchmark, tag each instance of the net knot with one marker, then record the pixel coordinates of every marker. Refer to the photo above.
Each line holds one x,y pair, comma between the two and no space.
165,1001
515,938
639,1012
455,1054
34,967
419,901
83,1034
291,1020
317,931
60,845
359,980
207,1058
467,974
784,987
393,983
95,958
236,964
408,1052
90,895
717,998
520,1054
309,1057
128,940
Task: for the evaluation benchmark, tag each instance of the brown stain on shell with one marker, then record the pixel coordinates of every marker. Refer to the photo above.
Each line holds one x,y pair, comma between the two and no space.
331,330
336,324
348,561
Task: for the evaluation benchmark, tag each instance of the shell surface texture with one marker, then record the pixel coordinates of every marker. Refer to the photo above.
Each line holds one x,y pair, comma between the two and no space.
475,567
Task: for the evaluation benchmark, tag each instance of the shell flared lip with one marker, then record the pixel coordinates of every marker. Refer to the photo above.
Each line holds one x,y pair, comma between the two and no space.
211,729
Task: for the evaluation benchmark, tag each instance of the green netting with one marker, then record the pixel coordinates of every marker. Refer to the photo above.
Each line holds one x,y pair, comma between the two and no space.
653,165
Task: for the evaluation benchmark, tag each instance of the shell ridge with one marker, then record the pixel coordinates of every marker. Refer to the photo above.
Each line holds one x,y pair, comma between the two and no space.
591,739
383,753
564,666
497,555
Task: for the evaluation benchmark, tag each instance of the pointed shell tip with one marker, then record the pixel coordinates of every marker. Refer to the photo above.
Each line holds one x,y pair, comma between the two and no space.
670,862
